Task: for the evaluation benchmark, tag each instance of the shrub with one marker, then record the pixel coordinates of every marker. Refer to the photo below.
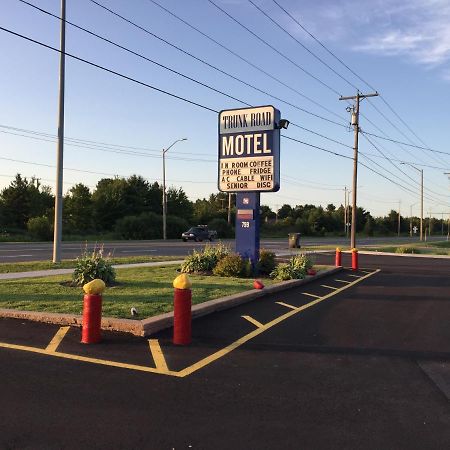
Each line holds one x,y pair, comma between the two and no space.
40,228
407,250
90,266
176,226
223,228
230,266
144,226
296,268
205,260
266,263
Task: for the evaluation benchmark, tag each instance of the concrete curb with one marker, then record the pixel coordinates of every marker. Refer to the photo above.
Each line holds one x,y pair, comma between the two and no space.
147,327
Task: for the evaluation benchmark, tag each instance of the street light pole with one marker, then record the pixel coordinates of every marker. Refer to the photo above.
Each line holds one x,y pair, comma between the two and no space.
164,198
57,228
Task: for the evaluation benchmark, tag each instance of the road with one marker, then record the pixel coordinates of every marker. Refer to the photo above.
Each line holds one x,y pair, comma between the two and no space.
358,360
18,252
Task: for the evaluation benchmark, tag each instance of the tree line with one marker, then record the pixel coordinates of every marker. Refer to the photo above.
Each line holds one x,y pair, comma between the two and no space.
131,208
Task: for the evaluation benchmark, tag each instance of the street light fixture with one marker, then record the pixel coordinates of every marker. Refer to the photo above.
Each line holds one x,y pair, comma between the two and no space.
421,196
164,198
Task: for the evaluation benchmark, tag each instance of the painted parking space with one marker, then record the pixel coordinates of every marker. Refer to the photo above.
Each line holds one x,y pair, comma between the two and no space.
214,336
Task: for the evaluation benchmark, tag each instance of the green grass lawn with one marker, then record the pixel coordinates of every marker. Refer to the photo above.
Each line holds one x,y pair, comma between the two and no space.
432,248
148,289
70,263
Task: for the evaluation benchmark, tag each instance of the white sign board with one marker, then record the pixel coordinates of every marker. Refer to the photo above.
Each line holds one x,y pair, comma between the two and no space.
249,149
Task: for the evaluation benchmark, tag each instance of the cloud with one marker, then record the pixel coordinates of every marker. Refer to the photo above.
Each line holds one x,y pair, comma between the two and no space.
417,31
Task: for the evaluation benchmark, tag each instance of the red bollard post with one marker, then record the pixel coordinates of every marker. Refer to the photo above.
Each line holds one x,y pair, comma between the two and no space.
182,319
182,316
354,259
92,319
338,259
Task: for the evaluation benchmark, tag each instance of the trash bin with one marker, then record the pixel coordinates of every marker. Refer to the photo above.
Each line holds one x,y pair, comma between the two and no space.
294,240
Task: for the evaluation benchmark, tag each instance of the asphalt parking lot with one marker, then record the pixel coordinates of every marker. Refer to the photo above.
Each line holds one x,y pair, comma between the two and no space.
356,360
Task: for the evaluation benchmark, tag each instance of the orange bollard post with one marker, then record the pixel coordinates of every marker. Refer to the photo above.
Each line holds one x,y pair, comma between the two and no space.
338,259
92,312
354,259
182,316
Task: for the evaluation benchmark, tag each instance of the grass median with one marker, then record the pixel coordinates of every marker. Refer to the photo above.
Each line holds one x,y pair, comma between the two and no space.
30,266
424,248
148,289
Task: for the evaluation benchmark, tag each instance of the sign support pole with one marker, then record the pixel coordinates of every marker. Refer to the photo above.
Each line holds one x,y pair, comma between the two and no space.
247,226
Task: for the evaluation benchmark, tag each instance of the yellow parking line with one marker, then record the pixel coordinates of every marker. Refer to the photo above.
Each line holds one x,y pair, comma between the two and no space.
57,338
102,362
354,276
253,321
311,295
157,354
342,281
287,305
364,271
221,353
199,364
329,287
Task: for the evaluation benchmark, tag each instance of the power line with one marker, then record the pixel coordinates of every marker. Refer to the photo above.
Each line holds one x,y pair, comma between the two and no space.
412,179
146,30
322,45
71,139
240,57
403,161
34,163
405,143
355,74
398,129
316,147
117,151
273,48
152,87
389,160
179,73
301,44
139,55
98,66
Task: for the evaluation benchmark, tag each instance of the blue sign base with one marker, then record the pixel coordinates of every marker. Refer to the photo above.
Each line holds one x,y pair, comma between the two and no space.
247,226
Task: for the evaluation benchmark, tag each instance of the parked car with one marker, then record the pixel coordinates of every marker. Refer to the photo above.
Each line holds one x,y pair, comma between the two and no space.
198,234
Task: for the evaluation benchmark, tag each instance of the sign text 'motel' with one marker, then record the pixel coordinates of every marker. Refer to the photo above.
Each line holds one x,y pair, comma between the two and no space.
249,150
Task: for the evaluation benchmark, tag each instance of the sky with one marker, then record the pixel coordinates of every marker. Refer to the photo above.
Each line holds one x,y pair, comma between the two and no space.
300,63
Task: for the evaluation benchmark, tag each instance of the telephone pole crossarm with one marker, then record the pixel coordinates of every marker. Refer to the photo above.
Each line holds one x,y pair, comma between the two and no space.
361,96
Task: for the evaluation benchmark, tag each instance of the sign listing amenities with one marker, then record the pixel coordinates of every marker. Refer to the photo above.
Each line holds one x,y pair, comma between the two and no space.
249,148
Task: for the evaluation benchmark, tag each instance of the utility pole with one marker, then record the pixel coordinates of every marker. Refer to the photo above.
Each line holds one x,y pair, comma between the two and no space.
399,218
355,123
57,234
